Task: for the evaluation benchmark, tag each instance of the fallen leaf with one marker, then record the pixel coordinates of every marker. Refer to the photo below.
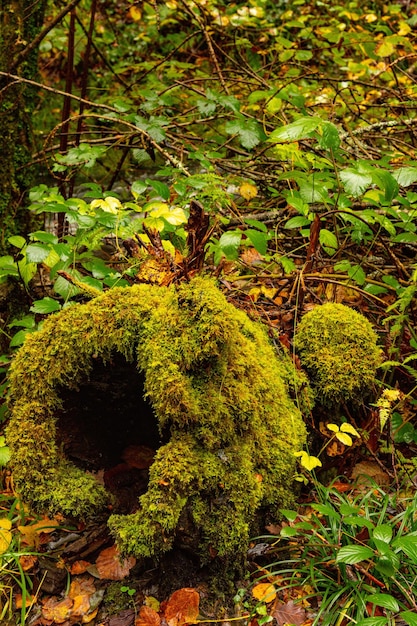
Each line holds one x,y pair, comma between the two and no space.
147,617
28,562
368,472
79,567
182,607
264,592
248,191
289,613
111,566
56,610
5,534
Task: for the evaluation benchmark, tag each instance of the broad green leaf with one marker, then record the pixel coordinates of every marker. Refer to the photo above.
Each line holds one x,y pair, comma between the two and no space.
327,510
289,514
328,240
298,221
405,176
44,237
37,252
44,306
229,243
138,188
20,337
354,181
410,617
329,137
289,531
17,241
258,240
356,273
27,270
384,600
354,554
161,188
383,532
408,545
387,182
299,129
388,564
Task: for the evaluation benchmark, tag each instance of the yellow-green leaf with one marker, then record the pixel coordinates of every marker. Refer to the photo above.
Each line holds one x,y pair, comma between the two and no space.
348,428
344,438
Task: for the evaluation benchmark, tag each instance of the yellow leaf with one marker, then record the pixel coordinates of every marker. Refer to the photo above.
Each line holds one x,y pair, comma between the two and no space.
135,13
333,427
385,48
344,438
348,428
5,534
307,461
248,191
110,204
264,592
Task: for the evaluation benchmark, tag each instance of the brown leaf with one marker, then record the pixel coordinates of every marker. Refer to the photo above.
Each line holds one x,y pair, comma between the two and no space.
289,613
111,566
79,567
182,607
147,617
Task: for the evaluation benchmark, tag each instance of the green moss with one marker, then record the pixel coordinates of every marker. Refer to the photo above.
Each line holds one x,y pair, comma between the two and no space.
215,385
338,349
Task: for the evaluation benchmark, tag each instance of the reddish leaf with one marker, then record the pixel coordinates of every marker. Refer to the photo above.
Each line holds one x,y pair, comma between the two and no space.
140,457
182,607
147,617
111,566
289,613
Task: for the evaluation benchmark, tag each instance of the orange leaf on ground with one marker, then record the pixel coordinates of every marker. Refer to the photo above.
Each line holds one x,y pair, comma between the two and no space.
264,592
111,566
147,617
28,561
79,567
56,610
182,607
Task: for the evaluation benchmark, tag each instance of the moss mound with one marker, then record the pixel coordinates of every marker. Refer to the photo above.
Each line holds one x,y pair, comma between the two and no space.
217,390
338,349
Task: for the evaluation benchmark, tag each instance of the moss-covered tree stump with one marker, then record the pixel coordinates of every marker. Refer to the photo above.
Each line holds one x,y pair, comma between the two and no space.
228,428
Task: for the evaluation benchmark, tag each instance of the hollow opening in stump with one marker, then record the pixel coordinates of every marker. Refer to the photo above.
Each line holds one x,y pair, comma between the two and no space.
106,426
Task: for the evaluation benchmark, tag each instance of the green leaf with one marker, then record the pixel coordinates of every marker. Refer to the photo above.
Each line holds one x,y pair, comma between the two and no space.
328,240
258,240
299,129
17,241
250,133
387,182
4,455
44,306
410,617
354,554
387,565
329,137
19,337
357,274
44,237
408,545
405,176
229,244
354,181
298,221
383,532
289,514
36,252
373,621
384,600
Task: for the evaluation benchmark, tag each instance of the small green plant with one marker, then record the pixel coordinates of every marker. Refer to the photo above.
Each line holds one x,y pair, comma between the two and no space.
357,553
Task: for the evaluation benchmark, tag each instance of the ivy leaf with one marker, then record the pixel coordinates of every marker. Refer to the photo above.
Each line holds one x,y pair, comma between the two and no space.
250,133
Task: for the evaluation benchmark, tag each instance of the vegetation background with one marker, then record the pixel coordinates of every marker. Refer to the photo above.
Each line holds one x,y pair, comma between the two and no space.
287,131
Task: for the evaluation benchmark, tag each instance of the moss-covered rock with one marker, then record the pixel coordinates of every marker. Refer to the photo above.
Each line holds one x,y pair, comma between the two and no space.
216,387
338,349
